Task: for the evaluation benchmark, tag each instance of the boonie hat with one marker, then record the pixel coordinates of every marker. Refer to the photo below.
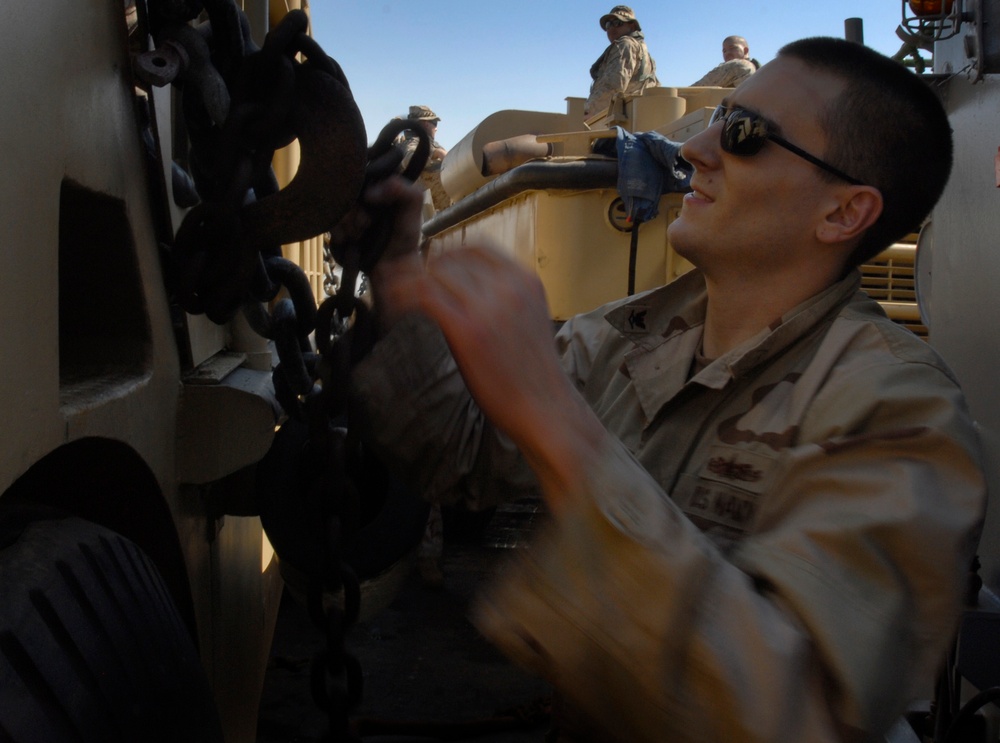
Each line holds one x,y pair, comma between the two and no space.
423,113
622,13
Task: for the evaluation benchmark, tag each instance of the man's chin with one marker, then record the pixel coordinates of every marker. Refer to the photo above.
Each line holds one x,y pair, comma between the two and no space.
680,239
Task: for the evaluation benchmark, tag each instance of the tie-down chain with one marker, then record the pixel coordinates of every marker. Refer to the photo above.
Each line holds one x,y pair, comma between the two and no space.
242,102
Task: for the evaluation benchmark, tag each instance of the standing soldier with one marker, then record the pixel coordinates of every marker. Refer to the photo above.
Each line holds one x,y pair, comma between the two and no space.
430,177
625,66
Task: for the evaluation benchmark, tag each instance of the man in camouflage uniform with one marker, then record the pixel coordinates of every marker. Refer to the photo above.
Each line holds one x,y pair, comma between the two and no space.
430,176
736,66
765,495
625,66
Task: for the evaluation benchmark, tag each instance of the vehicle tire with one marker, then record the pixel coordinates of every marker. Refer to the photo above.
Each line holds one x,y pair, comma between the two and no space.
91,644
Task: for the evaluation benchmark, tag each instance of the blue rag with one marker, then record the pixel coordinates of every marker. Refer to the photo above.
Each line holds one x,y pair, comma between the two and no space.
649,165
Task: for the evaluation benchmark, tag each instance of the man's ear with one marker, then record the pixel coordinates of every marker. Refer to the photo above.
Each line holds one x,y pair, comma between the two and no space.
853,213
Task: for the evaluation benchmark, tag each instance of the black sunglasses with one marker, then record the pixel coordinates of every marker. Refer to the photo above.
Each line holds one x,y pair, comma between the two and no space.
745,132
615,23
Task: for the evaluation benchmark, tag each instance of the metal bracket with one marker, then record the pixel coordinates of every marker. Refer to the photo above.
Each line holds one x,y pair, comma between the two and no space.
934,26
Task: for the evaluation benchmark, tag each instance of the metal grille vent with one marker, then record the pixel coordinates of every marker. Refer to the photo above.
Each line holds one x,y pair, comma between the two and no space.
890,279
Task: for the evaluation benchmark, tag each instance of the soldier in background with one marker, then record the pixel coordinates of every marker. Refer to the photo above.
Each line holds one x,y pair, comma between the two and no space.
625,66
430,177
737,65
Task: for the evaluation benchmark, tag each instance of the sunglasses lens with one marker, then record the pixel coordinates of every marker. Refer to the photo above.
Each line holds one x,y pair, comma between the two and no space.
743,132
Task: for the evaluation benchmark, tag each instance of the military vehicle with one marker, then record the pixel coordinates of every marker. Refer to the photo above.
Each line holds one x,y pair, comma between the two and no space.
138,591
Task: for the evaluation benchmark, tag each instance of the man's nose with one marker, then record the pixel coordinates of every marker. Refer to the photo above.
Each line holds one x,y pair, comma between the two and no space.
703,149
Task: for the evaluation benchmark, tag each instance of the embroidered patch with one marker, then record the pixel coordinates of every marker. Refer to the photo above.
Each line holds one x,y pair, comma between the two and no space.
730,469
727,490
738,466
715,502
637,319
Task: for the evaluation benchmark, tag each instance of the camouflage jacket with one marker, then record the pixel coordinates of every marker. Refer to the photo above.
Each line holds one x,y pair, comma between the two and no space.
625,66
771,548
728,74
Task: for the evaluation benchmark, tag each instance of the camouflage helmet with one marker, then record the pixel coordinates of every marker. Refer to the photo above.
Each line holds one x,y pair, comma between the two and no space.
623,13
423,113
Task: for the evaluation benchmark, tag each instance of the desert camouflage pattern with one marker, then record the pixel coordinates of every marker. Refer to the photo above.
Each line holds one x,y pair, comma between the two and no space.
623,13
625,67
728,74
422,113
771,545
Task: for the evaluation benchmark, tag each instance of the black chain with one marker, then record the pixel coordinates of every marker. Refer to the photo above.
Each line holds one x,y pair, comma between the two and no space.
241,103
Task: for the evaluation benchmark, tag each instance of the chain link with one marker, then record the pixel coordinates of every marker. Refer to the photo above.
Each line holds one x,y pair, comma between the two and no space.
240,104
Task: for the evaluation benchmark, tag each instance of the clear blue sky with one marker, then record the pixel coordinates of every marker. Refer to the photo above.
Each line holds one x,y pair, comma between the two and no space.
468,58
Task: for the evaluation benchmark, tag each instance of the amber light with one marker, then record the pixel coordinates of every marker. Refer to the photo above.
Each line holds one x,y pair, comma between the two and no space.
929,7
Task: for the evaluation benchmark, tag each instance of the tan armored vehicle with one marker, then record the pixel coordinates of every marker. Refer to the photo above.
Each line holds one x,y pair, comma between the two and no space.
137,590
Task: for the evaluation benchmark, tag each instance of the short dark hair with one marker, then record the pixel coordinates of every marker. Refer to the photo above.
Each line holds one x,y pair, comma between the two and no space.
888,129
